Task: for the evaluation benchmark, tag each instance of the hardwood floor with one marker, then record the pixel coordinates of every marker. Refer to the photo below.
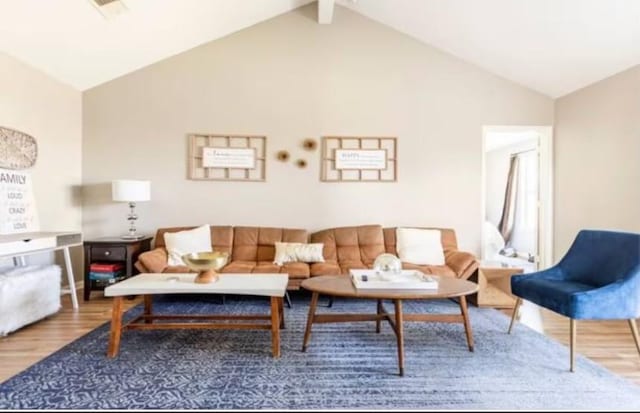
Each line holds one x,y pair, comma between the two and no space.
31,344
608,343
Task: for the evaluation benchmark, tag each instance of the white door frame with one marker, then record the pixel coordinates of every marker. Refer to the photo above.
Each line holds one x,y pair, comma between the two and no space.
545,210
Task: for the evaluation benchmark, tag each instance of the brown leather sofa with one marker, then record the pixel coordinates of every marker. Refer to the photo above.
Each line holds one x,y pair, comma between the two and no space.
252,250
349,248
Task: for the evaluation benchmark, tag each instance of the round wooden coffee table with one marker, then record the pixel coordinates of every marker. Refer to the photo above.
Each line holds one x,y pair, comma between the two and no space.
342,286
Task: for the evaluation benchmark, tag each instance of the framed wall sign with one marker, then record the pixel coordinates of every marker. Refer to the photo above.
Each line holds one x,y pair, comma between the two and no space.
17,204
227,157
359,159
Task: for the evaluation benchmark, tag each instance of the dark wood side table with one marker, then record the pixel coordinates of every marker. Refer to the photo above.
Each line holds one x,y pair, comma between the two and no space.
112,250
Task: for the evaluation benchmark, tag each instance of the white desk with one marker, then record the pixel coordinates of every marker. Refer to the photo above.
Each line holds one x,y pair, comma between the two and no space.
16,246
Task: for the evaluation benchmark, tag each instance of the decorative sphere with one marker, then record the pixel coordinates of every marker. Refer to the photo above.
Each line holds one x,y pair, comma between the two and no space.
387,264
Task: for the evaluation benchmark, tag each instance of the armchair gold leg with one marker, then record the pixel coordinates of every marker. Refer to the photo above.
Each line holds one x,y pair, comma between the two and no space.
573,343
634,331
515,313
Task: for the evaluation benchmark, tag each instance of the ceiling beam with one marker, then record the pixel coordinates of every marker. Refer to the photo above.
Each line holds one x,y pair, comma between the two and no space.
325,11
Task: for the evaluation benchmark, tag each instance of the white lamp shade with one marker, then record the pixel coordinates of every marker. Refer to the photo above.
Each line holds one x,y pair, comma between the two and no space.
126,190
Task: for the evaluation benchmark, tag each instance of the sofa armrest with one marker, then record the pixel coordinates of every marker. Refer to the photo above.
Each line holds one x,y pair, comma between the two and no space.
462,263
154,261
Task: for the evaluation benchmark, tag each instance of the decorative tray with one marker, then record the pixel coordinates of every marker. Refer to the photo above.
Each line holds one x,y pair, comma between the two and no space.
406,280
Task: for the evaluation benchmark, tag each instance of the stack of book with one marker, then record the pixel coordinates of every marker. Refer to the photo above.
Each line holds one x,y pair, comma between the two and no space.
106,273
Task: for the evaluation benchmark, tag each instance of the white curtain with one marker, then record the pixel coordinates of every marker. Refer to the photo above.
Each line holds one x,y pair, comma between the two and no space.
525,230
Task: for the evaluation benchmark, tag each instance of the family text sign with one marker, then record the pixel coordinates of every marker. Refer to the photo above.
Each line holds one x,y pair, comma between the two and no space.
17,203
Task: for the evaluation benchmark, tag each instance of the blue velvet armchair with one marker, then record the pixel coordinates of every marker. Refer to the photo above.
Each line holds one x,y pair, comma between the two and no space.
598,279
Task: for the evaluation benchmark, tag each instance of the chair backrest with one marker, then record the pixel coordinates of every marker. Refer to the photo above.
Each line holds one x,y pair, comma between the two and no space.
601,257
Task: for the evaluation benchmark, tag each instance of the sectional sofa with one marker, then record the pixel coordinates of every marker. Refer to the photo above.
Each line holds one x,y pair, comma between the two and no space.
252,250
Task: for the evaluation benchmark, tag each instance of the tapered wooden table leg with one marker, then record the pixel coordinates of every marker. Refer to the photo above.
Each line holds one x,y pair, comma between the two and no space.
116,327
310,317
378,311
275,326
281,308
399,335
634,331
516,308
467,324
148,308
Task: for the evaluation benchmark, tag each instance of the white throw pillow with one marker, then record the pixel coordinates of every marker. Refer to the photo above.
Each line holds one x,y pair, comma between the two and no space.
419,246
298,251
185,242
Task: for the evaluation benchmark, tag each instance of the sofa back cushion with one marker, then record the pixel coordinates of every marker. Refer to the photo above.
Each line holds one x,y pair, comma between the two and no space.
351,244
221,237
448,238
258,243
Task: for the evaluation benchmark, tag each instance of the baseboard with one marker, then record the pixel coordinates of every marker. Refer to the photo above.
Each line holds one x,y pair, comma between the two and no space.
65,289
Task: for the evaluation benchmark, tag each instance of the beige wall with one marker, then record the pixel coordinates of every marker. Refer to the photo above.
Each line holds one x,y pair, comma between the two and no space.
51,112
597,161
290,78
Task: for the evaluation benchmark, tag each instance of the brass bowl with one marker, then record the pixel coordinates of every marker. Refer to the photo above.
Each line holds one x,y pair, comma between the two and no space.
206,263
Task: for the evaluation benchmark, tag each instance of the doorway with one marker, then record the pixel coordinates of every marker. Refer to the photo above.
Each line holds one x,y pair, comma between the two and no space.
517,197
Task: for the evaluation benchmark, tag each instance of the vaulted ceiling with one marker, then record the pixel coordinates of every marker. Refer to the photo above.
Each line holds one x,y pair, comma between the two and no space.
552,46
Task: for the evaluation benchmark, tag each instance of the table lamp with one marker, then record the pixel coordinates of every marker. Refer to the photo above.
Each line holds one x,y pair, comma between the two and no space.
126,190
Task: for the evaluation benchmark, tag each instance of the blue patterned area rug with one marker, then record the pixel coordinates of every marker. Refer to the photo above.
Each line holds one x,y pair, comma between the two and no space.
347,366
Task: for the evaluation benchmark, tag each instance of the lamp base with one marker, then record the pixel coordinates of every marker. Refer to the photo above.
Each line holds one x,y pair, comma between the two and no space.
129,236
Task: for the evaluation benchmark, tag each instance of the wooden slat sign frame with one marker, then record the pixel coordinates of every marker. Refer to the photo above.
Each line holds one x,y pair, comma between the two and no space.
227,157
359,159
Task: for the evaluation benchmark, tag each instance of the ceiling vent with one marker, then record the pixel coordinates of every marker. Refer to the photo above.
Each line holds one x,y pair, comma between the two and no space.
109,8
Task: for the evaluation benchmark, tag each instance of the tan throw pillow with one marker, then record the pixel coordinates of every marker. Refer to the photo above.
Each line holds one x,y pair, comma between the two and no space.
185,242
419,246
298,252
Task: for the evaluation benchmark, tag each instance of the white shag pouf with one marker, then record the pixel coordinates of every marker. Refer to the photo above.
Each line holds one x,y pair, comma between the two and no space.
27,294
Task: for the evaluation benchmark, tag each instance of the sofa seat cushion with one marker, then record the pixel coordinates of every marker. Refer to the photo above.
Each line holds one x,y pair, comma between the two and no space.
245,267
325,268
296,270
555,294
345,266
431,269
333,268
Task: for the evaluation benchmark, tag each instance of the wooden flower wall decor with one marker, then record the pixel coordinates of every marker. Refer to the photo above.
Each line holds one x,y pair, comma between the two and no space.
283,156
309,144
